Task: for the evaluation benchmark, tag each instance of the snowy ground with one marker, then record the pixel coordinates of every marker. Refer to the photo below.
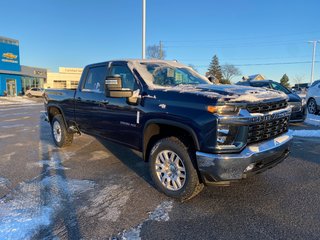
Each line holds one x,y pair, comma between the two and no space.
17,100
99,190
313,120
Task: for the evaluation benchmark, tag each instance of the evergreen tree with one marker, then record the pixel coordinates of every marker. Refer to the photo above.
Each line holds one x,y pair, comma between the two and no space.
215,69
285,81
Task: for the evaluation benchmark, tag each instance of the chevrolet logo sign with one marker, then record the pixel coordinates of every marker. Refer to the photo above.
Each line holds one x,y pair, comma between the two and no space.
9,56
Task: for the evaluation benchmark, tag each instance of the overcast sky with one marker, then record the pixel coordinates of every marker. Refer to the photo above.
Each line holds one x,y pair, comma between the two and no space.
72,33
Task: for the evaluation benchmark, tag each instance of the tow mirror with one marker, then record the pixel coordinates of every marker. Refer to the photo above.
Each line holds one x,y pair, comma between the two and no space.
113,88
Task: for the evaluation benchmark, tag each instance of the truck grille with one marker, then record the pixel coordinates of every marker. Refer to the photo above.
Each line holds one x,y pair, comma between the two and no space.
266,130
266,107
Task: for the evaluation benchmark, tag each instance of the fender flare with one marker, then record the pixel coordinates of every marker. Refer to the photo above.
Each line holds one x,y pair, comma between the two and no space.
60,109
170,123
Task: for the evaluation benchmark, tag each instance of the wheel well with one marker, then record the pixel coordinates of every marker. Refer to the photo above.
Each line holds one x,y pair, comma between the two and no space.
311,98
52,111
154,132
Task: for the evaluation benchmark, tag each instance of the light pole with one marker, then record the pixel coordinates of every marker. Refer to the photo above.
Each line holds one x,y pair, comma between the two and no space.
313,59
143,29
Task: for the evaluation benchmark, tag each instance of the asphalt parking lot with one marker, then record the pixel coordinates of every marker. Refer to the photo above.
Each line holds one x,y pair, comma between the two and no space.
95,189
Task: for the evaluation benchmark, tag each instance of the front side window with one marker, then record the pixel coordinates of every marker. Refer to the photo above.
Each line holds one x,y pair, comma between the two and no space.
279,87
127,77
95,79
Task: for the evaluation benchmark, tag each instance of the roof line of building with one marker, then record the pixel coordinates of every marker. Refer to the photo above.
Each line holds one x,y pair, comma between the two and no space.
9,39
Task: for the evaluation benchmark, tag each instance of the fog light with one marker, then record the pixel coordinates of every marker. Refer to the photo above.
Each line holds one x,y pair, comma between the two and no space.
223,132
250,167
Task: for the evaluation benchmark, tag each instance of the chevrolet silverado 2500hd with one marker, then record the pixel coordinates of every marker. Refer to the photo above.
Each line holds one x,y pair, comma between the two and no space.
190,131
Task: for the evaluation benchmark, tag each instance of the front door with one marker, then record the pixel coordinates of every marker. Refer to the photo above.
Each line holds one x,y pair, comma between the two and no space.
11,87
123,116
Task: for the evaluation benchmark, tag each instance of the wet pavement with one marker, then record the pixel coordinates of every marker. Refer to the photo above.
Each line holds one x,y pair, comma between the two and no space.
95,189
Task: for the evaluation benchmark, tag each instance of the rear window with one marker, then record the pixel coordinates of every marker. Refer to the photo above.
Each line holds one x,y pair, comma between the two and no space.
315,83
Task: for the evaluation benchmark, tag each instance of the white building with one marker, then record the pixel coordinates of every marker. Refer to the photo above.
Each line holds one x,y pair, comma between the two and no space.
65,78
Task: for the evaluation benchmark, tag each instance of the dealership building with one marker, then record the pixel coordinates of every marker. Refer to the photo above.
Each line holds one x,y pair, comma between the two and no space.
15,79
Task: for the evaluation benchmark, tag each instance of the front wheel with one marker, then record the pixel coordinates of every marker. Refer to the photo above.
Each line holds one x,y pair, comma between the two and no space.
61,137
312,106
172,169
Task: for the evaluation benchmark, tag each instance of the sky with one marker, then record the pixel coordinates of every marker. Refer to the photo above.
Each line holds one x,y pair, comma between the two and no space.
267,37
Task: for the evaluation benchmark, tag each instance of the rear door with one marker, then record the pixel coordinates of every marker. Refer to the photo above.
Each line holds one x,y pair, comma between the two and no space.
90,100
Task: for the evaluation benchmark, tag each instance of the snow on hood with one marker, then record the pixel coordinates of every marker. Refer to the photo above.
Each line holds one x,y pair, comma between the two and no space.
230,93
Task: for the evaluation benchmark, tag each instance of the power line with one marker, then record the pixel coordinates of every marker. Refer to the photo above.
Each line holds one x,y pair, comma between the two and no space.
252,58
242,38
264,64
245,45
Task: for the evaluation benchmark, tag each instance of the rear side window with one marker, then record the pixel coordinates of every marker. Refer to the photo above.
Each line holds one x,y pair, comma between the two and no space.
243,83
95,79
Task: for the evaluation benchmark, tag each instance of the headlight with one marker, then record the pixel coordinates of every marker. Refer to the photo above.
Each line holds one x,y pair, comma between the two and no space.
295,106
224,110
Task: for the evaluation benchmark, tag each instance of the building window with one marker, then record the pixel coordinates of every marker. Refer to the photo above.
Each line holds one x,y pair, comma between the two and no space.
59,84
31,82
74,84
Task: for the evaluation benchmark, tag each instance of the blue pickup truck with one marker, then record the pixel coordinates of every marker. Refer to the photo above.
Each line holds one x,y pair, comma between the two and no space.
191,132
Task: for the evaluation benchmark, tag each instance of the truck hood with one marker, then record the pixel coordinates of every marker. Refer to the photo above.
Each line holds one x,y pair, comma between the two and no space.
231,93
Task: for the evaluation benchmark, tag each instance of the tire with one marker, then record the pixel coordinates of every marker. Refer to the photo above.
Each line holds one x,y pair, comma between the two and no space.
29,95
173,170
312,106
60,135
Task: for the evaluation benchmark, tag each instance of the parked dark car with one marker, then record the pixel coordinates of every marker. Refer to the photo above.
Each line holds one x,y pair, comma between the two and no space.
298,105
191,132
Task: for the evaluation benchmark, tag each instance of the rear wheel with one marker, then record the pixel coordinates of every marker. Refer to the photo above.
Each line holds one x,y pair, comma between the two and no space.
29,95
312,106
61,137
172,169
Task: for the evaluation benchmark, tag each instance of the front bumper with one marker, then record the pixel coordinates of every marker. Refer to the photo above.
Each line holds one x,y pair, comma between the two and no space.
253,159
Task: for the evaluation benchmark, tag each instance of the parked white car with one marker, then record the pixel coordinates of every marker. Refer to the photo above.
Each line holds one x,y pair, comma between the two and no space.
313,98
35,92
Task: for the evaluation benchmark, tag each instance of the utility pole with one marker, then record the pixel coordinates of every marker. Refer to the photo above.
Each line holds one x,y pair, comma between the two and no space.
160,47
313,59
143,29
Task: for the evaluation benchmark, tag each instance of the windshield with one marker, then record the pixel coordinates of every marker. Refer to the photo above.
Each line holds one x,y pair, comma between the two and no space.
164,74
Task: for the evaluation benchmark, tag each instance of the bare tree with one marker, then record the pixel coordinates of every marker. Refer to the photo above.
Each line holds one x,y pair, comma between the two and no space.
155,52
298,79
229,71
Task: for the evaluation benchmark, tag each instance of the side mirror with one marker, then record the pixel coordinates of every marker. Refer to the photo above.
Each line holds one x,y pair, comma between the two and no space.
113,88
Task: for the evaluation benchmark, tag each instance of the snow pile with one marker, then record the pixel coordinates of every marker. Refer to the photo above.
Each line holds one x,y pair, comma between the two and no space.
313,119
305,133
161,213
34,205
